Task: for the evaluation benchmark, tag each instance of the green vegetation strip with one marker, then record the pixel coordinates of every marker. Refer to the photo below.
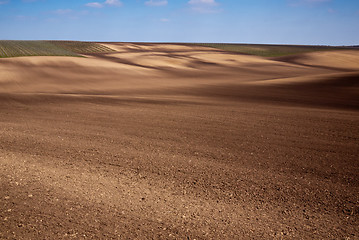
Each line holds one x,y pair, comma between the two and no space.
82,47
10,48
269,50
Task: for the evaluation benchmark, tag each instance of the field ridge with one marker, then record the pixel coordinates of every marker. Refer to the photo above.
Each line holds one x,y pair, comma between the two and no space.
271,50
18,48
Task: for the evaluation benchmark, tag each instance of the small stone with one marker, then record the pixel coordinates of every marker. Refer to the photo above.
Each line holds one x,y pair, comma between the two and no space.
30,195
7,198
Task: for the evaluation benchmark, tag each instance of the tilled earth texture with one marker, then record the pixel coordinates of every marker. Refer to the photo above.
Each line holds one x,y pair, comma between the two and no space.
166,141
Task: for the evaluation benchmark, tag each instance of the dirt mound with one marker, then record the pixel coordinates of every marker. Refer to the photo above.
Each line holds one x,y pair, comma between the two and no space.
343,59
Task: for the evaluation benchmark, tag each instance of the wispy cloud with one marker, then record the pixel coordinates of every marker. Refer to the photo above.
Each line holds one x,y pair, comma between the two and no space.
204,6
116,3
316,1
164,20
94,5
61,14
156,3
203,2
113,3
295,3
331,10
3,2
62,11
24,18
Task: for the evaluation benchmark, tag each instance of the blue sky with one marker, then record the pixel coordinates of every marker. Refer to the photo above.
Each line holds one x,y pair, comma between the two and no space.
319,22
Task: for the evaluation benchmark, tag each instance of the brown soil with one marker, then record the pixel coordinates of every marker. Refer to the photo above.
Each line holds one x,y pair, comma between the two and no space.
175,142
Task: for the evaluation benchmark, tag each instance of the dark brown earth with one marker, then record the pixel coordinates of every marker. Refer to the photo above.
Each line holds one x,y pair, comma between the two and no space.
176,142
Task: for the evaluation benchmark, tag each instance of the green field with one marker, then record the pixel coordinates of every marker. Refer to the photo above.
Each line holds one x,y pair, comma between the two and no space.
10,48
269,50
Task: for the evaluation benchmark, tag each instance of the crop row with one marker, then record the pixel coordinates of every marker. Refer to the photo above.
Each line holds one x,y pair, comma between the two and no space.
31,48
9,48
82,47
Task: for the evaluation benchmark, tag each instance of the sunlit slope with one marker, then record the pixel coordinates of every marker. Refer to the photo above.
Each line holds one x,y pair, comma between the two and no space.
348,59
147,69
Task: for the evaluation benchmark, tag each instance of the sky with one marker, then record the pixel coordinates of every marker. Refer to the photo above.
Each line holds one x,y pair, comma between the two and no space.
314,22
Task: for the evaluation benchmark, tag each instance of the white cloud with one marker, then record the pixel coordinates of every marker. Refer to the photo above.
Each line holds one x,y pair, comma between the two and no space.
94,5
3,2
156,2
116,3
164,20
